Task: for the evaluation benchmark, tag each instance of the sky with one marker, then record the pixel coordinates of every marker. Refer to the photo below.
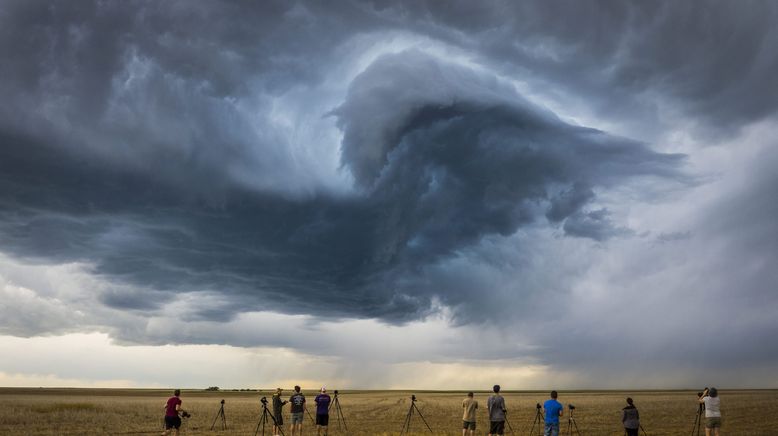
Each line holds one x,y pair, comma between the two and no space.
405,194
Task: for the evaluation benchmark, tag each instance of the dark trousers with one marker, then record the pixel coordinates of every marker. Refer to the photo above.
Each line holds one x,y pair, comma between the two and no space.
631,431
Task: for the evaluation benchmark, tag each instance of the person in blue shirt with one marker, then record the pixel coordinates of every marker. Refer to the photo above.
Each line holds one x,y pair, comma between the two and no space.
553,410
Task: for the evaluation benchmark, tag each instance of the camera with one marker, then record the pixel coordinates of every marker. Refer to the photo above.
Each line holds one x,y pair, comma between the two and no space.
263,400
413,397
702,393
222,401
336,392
571,406
185,414
537,405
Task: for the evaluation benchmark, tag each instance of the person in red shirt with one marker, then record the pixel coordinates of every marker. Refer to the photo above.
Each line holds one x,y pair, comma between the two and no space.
172,408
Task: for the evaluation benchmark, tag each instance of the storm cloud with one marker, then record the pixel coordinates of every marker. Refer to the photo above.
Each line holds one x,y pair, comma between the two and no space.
385,161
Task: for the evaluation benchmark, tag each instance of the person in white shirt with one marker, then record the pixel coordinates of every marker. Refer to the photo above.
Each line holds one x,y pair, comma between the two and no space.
710,398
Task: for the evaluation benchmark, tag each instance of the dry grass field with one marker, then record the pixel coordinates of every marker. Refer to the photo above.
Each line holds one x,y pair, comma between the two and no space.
31,411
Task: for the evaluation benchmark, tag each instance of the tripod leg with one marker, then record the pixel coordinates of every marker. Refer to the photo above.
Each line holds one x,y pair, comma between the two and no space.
407,422
422,417
217,417
576,428
342,418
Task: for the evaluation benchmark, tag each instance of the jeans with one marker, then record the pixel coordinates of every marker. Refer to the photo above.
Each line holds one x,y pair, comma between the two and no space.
551,429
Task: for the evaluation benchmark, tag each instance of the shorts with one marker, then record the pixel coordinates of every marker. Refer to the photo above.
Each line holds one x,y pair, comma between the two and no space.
297,418
468,425
279,418
172,422
551,429
497,427
713,422
322,420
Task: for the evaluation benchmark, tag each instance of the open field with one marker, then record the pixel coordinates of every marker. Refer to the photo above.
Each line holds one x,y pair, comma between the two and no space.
32,411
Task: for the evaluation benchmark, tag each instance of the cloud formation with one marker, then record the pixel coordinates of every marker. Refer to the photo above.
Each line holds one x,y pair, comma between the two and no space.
388,161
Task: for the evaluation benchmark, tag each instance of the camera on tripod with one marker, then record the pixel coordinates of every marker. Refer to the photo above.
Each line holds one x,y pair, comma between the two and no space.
571,406
262,400
537,405
222,401
185,414
413,397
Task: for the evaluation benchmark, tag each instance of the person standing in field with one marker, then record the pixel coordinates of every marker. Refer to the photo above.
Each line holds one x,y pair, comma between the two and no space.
710,398
496,406
630,418
470,406
298,410
278,406
322,411
554,410
172,408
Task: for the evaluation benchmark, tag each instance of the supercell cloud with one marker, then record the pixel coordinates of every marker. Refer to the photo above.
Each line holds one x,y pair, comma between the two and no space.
395,162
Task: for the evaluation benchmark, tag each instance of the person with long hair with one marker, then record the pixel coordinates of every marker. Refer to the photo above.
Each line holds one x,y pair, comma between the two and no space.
630,418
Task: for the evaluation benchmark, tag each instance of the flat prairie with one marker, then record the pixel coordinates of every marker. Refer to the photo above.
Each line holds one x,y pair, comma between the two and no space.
45,411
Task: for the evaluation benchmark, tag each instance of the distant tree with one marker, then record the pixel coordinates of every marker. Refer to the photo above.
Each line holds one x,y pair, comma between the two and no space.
212,388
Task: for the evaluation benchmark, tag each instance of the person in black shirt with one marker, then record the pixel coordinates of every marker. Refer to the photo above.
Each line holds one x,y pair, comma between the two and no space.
278,406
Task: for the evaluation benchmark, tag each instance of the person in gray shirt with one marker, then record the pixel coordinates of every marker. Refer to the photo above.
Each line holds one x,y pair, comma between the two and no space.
630,418
496,406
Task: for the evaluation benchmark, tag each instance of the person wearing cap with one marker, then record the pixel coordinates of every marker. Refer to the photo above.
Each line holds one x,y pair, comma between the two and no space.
278,405
322,411
496,406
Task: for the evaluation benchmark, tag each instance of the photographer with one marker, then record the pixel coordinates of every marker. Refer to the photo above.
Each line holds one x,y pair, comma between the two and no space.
278,406
470,406
630,418
710,398
554,410
496,406
322,411
172,409
298,410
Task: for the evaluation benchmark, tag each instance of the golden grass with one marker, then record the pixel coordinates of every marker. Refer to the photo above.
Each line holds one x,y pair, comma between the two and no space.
128,411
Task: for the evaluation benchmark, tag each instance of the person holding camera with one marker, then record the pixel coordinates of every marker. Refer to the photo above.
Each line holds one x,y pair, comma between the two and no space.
496,406
710,398
470,406
298,410
630,418
554,410
322,411
278,406
172,409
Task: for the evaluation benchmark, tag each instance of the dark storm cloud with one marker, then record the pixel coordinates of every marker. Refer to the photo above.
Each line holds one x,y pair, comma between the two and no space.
709,60
442,157
140,137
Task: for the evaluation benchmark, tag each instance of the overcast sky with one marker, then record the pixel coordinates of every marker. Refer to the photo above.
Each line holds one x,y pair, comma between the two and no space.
389,194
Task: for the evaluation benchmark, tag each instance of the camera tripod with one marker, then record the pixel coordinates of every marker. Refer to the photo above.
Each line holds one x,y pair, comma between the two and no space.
698,421
263,419
338,412
539,421
571,424
220,415
510,427
407,424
